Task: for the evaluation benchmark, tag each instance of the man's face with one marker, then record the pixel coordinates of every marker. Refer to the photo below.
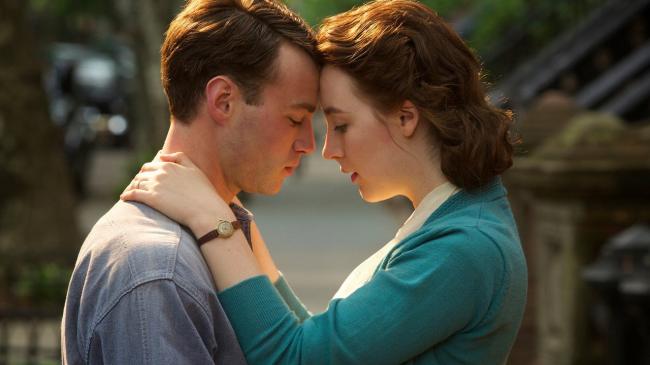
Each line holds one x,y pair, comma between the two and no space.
271,137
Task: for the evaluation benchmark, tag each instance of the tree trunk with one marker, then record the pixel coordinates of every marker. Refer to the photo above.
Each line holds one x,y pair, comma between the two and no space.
37,207
147,21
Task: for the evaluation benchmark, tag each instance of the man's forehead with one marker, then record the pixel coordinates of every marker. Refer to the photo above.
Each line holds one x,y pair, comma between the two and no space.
296,81
304,105
295,97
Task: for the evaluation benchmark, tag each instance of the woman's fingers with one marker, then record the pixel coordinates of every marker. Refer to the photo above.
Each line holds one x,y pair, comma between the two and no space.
141,181
177,157
142,196
152,166
157,156
132,185
171,157
156,170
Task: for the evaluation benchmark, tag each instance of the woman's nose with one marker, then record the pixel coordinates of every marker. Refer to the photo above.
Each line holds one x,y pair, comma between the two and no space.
332,149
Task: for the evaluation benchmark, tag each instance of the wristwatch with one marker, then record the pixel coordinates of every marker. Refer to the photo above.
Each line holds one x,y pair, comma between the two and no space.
224,229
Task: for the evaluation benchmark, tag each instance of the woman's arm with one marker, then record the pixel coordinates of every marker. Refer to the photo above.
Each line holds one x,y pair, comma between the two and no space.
261,252
231,260
269,268
425,295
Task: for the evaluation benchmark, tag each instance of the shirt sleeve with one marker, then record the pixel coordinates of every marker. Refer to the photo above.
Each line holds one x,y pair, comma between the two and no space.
423,296
292,300
155,323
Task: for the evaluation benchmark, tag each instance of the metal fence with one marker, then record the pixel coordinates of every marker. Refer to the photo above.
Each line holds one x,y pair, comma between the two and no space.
30,337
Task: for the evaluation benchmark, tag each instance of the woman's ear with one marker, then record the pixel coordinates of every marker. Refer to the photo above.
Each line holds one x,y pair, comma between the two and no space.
220,94
409,117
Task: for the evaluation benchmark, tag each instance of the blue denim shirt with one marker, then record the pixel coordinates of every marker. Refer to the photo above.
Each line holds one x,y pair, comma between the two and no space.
141,293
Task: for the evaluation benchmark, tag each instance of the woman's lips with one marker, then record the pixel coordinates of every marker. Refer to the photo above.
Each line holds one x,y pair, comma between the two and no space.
354,175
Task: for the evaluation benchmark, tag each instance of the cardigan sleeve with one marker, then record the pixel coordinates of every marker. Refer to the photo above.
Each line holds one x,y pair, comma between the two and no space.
291,299
426,293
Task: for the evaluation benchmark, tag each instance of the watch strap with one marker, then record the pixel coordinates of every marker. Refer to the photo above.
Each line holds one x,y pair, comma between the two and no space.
215,234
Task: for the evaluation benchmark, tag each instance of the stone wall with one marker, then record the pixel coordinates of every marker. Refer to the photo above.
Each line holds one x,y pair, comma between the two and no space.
573,192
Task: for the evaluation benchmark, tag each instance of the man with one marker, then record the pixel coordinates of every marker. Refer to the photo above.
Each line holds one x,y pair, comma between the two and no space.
241,78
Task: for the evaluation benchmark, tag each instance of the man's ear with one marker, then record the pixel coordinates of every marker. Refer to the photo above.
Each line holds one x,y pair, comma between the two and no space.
221,93
409,116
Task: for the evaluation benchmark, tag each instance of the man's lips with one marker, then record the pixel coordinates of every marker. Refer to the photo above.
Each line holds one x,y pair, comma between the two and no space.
291,168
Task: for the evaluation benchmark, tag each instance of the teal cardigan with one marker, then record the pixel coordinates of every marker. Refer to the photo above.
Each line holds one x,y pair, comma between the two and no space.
453,292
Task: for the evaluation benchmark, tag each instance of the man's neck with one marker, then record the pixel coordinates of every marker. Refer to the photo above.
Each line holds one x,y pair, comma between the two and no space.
198,145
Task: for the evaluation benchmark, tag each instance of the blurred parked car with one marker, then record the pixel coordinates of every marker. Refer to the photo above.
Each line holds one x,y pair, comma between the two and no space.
88,92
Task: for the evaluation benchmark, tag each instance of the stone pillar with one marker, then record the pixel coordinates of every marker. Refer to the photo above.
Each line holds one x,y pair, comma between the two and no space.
576,190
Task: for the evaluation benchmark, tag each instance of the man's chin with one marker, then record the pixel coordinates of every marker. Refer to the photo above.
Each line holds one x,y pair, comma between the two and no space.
269,192
271,188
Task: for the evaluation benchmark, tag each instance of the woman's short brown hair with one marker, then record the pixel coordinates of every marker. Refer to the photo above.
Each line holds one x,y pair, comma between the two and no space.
238,38
397,50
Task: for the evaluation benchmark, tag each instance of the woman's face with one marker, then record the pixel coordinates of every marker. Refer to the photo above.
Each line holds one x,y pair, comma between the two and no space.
361,143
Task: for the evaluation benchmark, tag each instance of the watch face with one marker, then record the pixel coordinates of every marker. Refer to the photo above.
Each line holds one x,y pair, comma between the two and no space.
225,229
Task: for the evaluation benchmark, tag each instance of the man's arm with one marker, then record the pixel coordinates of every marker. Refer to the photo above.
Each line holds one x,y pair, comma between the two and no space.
157,322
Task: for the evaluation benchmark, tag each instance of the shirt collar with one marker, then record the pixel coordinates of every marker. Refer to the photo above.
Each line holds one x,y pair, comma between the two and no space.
431,202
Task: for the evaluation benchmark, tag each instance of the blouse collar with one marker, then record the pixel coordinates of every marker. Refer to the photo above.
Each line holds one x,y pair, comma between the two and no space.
431,202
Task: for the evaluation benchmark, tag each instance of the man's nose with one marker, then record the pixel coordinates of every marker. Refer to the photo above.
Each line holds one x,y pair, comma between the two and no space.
305,142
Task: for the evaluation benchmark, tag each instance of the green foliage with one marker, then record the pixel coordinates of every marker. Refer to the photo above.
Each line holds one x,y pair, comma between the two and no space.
494,17
491,18
65,8
541,21
314,11
42,285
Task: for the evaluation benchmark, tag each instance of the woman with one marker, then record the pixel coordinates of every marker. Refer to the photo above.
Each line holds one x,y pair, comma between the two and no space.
406,115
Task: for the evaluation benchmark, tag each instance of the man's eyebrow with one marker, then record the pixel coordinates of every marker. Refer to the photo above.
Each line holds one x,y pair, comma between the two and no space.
332,110
304,105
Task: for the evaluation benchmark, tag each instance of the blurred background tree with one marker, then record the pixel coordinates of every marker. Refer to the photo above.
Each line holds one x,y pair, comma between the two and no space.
37,208
38,197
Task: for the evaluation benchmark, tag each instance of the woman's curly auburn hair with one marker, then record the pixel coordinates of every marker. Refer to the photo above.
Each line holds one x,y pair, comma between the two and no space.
397,50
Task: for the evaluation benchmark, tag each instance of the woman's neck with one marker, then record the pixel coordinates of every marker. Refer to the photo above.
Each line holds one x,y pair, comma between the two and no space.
424,171
423,185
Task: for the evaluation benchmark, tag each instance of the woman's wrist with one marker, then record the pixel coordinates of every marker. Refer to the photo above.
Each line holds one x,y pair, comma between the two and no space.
204,223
